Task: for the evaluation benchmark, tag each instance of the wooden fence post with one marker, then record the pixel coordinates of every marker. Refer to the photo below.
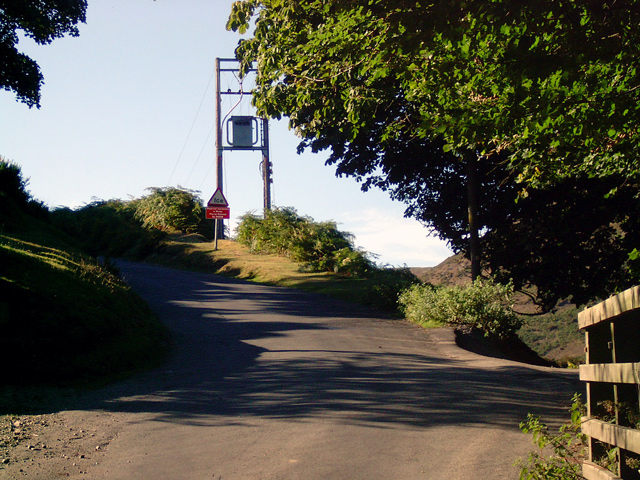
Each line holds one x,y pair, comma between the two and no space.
612,374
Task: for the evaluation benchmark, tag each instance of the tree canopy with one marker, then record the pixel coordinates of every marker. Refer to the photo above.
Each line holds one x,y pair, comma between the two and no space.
552,85
544,94
43,21
571,239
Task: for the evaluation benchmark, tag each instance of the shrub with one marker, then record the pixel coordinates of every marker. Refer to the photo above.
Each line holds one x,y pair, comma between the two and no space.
320,246
108,228
349,260
171,209
558,456
13,186
15,200
484,306
388,284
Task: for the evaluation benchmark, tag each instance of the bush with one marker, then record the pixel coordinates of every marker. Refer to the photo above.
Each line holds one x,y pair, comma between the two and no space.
15,200
484,306
12,184
171,209
133,228
108,228
387,285
320,246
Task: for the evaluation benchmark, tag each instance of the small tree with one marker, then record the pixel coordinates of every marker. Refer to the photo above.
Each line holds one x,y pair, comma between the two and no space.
171,209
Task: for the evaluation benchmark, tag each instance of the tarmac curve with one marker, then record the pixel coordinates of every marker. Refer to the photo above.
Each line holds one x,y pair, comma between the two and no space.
269,383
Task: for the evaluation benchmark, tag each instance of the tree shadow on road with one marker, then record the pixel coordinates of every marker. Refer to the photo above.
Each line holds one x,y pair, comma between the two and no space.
219,374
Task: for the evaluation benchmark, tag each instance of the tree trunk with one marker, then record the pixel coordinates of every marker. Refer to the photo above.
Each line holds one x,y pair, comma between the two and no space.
472,198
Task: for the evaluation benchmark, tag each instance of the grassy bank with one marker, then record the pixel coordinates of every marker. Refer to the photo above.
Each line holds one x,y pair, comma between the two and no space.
66,320
232,259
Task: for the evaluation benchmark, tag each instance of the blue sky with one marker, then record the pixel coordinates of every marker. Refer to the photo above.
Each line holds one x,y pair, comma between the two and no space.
130,105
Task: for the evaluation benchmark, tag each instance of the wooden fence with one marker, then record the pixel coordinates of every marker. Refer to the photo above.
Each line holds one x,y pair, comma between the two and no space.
612,374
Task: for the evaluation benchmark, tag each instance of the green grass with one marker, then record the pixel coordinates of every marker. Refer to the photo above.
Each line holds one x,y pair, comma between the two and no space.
377,290
555,335
66,320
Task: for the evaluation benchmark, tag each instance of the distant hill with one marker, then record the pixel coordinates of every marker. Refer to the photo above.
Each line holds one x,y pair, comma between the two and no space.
455,270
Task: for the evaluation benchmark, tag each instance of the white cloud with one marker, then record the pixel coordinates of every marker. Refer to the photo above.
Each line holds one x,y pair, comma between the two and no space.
397,240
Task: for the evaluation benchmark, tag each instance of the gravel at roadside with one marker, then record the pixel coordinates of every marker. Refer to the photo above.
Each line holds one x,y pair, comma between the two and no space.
56,445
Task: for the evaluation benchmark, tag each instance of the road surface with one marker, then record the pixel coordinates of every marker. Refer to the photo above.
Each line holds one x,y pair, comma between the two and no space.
270,383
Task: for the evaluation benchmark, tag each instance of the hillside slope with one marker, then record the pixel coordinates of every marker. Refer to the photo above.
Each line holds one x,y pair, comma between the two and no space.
455,270
65,319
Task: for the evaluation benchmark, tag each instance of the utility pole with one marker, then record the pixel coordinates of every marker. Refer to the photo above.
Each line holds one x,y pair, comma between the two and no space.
219,224
266,166
245,140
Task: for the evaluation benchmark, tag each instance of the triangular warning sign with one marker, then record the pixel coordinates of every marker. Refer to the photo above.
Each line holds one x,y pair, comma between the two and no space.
218,200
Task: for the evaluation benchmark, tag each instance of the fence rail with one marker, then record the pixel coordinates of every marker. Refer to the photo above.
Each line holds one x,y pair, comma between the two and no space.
612,375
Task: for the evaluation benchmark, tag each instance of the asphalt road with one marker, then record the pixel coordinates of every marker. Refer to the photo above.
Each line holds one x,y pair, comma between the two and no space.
272,383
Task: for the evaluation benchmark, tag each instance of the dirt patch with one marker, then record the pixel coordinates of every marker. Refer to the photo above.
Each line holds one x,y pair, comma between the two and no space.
56,445
190,238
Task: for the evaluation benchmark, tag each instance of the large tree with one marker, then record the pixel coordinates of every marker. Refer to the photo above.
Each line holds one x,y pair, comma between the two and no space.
41,20
554,85
419,99
571,239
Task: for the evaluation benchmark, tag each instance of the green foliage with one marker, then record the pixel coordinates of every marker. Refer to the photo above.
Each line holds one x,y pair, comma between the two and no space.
13,186
171,209
133,228
483,77
387,284
15,200
484,306
417,303
567,448
320,246
109,228
43,21
575,224
633,263
400,93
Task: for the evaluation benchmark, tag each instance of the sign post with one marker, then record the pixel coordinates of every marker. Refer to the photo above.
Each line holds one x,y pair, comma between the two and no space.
217,209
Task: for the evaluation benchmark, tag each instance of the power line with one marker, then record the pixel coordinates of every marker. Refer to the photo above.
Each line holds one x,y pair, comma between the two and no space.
206,140
191,129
